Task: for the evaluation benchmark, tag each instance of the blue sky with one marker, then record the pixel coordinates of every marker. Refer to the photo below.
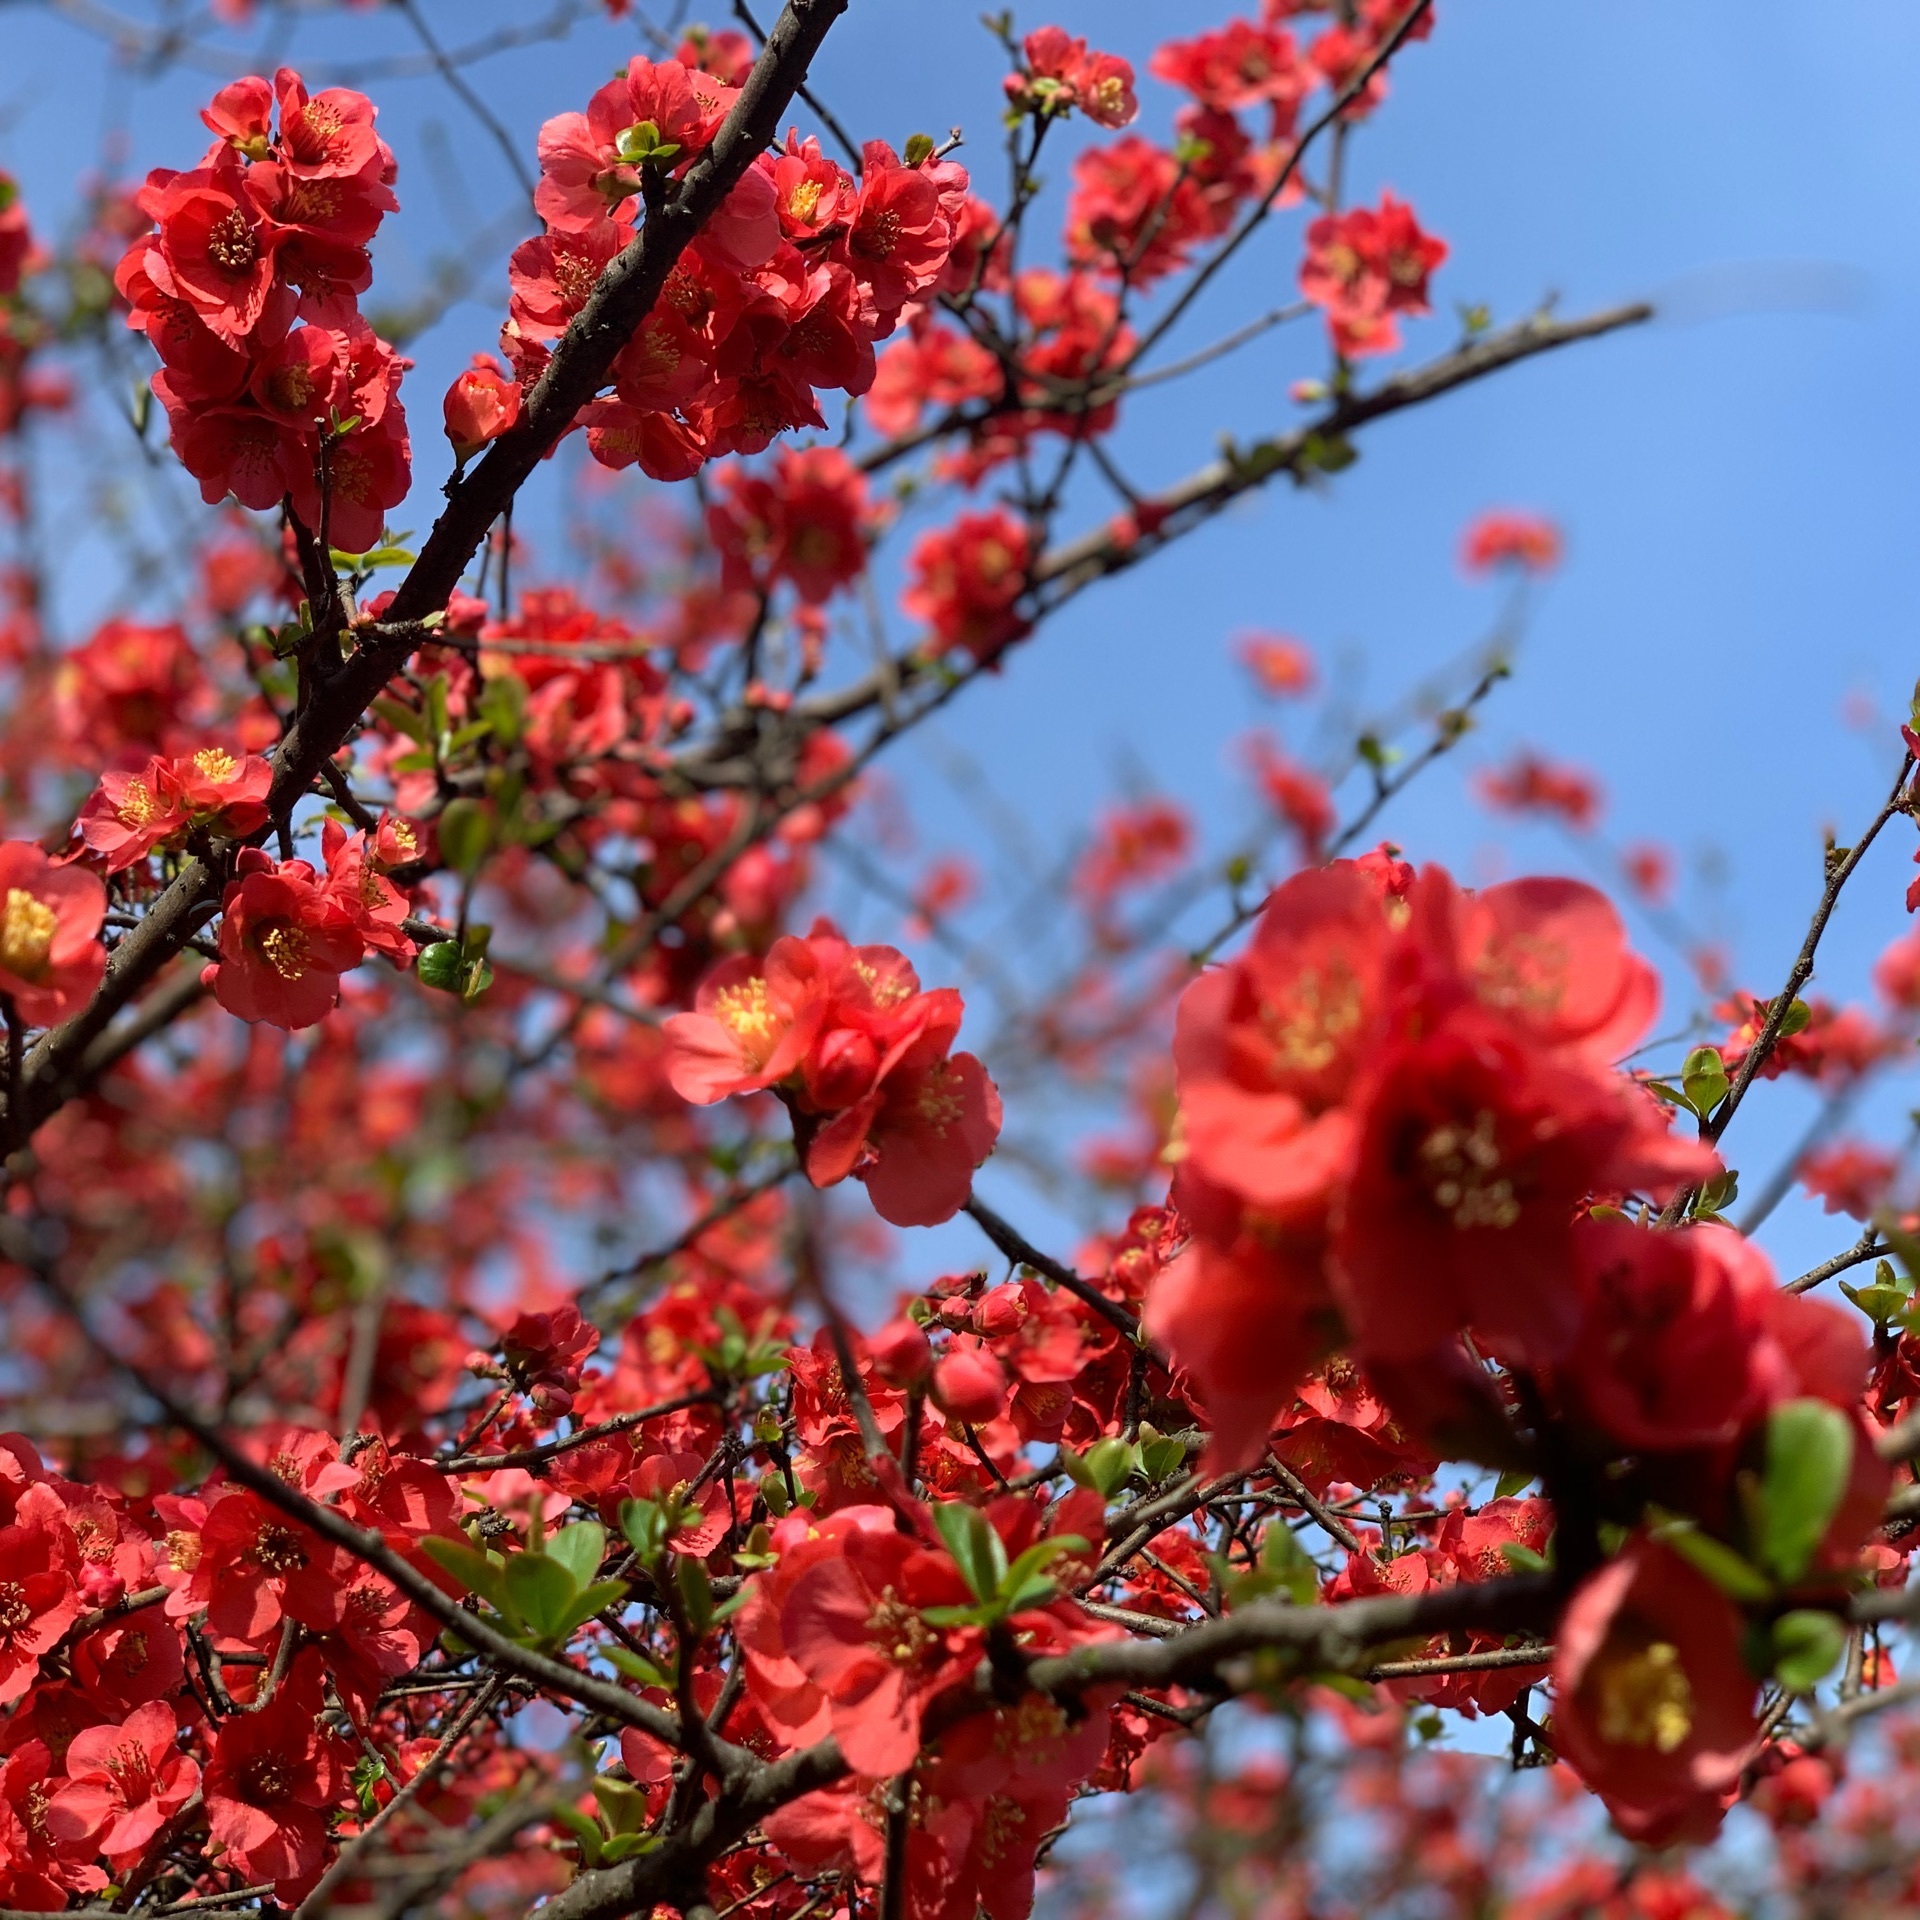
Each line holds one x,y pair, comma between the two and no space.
1736,482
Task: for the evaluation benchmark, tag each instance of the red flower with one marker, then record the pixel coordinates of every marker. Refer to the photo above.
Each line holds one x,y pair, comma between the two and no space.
16,242
284,944
804,520
1061,73
357,882
257,1566
1549,956
1366,266
1676,1347
330,136
51,959
752,1023
1527,542
544,1353
215,249
917,1138
931,366
1474,1151
480,406
1653,1705
665,1477
128,687
124,1784
853,1627
1278,665
271,1786
1245,1317
216,789
130,1661
1238,65
1133,846
1849,1177
1267,1047
899,234
967,580
128,815
1300,798
38,1598
1529,784
969,1383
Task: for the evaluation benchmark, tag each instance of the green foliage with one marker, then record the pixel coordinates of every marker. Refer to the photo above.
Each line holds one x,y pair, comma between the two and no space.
1808,1459
1806,1647
541,1596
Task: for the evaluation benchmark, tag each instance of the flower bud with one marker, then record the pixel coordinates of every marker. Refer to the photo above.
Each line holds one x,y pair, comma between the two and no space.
901,1354
480,406
969,1384
1001,1311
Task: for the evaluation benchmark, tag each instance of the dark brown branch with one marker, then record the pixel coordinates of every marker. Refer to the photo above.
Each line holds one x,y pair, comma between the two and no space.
1016,1246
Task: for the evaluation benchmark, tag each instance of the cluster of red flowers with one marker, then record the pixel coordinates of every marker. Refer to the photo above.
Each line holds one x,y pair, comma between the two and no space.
1396,1110
783,293
275,387
804,519
1365,268
110,1588
863,1060
1530,783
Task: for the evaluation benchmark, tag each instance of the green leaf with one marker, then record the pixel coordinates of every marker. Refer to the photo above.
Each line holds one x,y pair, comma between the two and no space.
540,1593
503,706
1703,1079
1906,1246
1028,1572
975,1547
465,833
1523,1559
367,1774
596,1598
478,1572
1326,453
1289,1565
1797,1016
645,1526
580,1549
1514,1480
1809,1456
976,1616
635,1666
1738,1580
401,717
1106,1466
583,1830
624,1846
696,1595
623,1806
1879,1303
1806,1648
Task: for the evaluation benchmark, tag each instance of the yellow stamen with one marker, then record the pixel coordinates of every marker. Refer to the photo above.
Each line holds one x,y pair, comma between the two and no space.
26,934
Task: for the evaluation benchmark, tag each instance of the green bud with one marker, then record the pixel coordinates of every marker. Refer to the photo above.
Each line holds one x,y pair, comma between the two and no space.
441,966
